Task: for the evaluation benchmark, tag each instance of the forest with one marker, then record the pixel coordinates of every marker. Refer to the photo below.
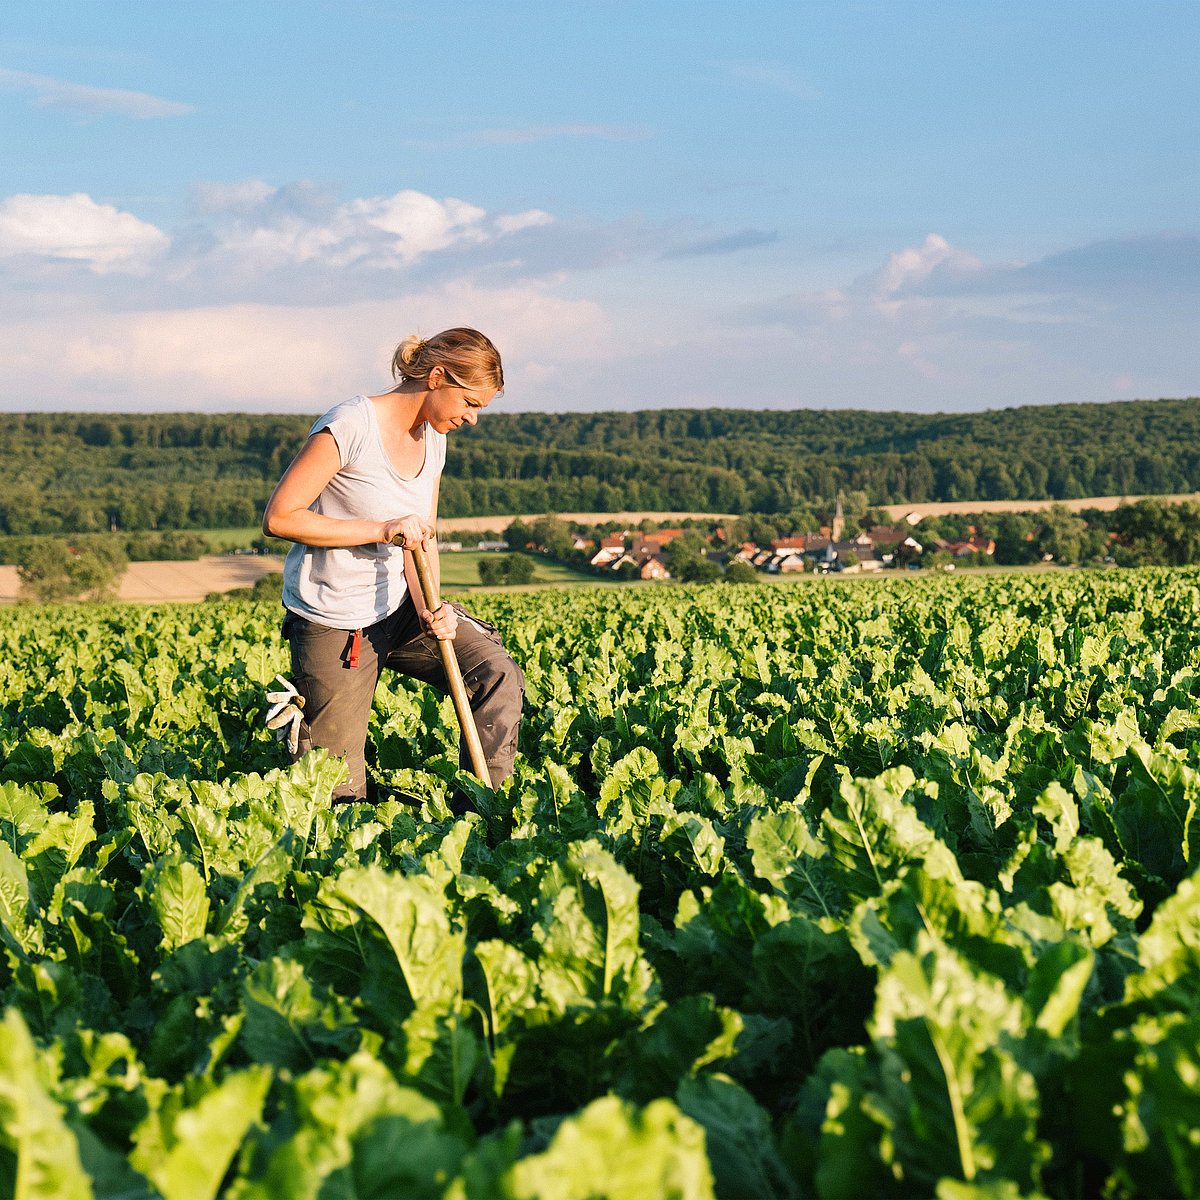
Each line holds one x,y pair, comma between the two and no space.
77,473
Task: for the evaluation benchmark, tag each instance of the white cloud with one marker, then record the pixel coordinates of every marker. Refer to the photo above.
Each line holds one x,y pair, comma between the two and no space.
76,227
420,224
78,97
264,228
515,222
913,265
272,357
935,328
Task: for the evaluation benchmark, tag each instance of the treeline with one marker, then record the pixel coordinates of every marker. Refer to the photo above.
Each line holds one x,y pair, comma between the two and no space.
1132,535
80,472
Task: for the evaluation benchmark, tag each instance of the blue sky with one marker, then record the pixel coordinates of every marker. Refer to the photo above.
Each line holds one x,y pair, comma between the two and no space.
908,205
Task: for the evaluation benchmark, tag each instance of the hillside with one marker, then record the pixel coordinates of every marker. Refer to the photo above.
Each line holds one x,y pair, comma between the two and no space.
74,472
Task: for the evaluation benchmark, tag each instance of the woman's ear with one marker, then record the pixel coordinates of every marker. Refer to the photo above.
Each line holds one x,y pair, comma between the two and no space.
436,378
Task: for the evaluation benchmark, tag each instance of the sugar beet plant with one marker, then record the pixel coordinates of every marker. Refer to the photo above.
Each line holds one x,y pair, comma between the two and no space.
846,889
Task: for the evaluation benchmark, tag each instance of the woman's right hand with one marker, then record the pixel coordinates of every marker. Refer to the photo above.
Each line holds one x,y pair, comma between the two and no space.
409,532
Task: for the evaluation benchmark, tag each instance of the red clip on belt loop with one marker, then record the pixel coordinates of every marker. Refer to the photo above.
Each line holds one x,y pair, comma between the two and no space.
355,643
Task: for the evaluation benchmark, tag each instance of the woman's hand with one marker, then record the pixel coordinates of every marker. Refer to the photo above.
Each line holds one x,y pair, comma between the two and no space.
443,623
409,532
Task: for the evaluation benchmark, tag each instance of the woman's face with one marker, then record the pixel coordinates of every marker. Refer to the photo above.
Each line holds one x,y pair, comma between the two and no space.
450,406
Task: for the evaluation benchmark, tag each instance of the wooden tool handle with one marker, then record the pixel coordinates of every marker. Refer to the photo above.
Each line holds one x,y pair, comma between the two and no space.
458,690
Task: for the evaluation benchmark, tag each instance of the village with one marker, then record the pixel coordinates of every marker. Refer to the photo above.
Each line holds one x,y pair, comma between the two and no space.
667,553
879,548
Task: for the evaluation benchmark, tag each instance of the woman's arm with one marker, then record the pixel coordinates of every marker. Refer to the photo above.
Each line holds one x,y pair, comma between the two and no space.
288,516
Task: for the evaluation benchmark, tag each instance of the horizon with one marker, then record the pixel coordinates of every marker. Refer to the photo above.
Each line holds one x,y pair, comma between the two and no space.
920,208
584,412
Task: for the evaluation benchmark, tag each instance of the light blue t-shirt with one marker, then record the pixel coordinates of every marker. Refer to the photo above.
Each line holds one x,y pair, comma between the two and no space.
352,587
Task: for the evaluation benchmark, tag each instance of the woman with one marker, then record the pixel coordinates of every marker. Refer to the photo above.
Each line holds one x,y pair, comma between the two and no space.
362,491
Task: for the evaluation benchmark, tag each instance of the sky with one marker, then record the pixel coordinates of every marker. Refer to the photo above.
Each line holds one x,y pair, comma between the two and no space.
906,205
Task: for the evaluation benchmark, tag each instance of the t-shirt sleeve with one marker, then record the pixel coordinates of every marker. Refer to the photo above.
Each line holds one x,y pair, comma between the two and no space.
348,423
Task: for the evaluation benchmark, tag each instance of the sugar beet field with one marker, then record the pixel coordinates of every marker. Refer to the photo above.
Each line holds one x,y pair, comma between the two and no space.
862,889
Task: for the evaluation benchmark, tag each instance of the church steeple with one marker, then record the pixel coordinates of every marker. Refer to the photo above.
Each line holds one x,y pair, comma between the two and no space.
839,522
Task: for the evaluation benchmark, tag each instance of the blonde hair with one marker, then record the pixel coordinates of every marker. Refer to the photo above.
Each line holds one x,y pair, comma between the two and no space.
468,358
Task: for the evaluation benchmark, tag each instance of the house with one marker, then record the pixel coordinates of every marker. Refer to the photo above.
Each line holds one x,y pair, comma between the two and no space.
746,552
625,557
654,568
663,536
971,545
612,548
886,535
789,564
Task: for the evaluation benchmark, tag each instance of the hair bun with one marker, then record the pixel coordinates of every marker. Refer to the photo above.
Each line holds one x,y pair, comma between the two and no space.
468,358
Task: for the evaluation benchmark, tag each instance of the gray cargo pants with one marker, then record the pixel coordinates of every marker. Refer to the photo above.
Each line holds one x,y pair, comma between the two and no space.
338,685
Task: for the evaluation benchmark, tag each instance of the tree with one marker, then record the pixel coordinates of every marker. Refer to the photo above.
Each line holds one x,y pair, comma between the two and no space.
552,535
52,570
740,571
1061,535
491,571
518,535
43,566
99,562
682,551
699,570
518,568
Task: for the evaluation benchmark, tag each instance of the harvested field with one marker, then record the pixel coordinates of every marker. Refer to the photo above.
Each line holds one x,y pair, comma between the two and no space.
164,581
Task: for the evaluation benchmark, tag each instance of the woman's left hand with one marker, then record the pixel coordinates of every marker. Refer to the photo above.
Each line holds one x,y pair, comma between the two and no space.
443,623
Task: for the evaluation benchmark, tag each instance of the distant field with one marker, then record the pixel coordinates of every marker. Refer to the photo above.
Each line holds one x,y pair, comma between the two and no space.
460,569
482,524
1101,503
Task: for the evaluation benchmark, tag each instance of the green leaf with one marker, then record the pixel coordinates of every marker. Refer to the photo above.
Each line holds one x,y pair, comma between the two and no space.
816,980
351,1130
740,1142
305,790
185,1149
1058,806
873,829
45,1153
411,912
589,932
634,790
22,813
58,847
614,1151
786,854
1155,814
680,1039
958,1103
1056,986
1159,1112
286,1023
178,900
705,845
1169,955
15,900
